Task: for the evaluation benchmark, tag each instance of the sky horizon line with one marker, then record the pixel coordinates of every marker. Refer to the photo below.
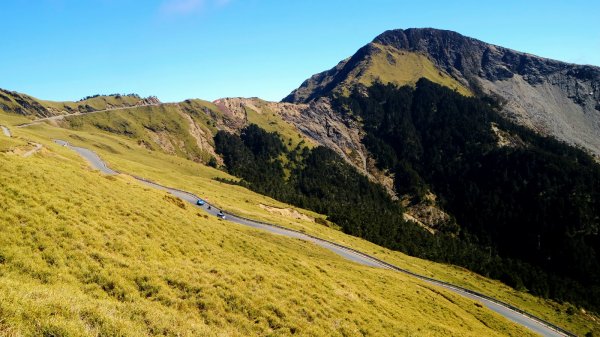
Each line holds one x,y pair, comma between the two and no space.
64,50
222,97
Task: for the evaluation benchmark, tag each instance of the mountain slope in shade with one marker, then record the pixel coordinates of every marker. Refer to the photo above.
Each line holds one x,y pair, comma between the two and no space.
551,97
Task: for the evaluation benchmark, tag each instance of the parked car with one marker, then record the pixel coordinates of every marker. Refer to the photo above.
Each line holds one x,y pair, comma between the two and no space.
200,202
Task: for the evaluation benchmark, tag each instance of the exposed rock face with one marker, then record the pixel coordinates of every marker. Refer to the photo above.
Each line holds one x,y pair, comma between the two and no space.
551,97
21,104
150,100
317,122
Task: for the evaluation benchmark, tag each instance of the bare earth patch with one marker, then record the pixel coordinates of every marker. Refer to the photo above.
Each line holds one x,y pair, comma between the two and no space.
287,212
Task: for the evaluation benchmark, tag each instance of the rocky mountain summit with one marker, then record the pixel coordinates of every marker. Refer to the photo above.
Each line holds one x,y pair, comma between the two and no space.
551,97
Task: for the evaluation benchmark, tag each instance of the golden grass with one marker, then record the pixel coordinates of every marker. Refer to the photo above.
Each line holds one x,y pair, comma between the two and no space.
8,144
400,67
163,127
12,119
98,103
180,173
273,122
82,254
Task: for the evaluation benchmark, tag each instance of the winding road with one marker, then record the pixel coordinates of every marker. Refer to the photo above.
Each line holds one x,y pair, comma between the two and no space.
6,131
512,313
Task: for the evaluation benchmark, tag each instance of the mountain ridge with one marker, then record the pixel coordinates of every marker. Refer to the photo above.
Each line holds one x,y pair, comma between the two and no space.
29,106
551,97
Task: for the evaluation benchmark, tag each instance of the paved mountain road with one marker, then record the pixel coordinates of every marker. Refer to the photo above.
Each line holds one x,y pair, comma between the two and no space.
6,131
514,314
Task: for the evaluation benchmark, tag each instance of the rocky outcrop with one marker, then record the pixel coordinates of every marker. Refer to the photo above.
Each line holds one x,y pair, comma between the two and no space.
551,97
150,100
14,102
318,123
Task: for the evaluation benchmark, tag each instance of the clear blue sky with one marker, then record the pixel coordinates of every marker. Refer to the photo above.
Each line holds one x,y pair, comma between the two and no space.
178,49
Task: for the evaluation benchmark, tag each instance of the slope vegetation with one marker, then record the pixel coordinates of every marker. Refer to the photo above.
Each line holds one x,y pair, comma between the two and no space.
122,259
168,128
186,129
374,62
536,199
126,155
17,103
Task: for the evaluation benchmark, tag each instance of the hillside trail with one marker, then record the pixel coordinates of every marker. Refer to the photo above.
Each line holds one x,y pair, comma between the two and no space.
6,131
29,153
508,311
36,148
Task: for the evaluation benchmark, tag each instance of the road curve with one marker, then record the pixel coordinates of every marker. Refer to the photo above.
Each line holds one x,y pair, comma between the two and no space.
6,131
512,313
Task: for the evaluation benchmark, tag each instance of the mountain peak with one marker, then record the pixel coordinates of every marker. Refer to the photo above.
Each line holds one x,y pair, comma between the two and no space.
404,37
549,96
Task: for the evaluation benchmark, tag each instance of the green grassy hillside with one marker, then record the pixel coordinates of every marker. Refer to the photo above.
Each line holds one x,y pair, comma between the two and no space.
263,115
94,103
82,254
124,154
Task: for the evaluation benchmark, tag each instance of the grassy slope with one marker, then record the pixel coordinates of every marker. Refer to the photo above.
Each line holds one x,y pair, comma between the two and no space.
177,172
98,103
123,259
10,144
272,122
166,127
203,112
29,105
156,127
390,65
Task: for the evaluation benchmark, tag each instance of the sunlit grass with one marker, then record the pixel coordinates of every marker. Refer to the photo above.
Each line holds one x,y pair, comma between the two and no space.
97,103
87,254
273,122
390,65
125,155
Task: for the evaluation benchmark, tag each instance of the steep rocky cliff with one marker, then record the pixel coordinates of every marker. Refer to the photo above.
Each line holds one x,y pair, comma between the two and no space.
316,123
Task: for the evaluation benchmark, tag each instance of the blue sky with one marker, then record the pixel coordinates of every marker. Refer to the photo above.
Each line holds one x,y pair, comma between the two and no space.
178,49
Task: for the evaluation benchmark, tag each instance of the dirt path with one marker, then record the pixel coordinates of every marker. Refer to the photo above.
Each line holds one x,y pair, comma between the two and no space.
32,151
6,131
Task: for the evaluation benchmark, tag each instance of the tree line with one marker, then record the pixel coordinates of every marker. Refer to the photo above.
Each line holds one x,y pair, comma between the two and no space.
527,215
